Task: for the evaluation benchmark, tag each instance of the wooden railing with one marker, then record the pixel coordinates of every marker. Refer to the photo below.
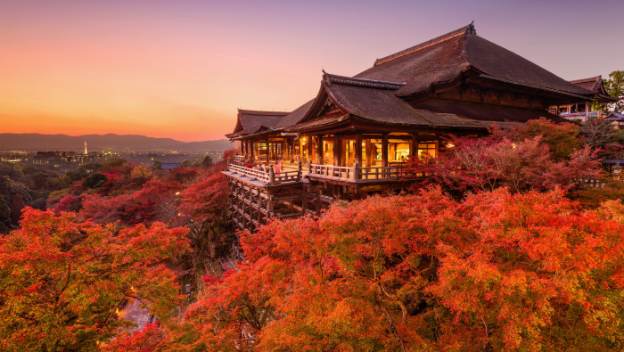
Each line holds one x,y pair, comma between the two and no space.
332,171
265,174
391,172
370,173
254,174
286,176
238,159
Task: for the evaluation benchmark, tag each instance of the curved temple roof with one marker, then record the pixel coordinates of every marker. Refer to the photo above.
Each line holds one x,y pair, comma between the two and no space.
250,122
445,58
596,86
377,93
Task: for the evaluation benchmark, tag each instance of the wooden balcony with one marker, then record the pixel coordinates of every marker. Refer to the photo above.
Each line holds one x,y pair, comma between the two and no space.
582,115
356,174
262,175
289,173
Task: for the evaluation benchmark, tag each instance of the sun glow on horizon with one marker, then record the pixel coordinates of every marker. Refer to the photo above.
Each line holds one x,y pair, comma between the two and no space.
181,69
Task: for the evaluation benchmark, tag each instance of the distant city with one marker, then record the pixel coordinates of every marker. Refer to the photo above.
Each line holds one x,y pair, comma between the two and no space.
64,153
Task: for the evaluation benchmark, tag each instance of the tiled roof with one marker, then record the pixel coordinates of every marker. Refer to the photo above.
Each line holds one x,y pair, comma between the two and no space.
253,121
596,86
378,93
445,58
380,104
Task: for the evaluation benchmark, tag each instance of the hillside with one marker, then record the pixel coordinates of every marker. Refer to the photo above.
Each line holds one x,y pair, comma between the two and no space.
118,143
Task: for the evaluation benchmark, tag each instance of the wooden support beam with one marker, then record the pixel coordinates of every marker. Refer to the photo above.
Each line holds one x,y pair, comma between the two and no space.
310,151
319,150
290,147
337,150
384,150
358,149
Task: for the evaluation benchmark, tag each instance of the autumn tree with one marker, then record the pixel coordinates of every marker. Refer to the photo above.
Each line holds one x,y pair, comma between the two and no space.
203,207
600,134
562,139
154,201
496,271
479,164
63,281
14,195
149,338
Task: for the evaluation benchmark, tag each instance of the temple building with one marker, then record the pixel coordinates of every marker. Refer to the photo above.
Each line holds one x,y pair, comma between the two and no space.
582,110
355,136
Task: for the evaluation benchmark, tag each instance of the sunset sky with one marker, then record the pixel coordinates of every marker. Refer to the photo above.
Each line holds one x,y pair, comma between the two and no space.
181,68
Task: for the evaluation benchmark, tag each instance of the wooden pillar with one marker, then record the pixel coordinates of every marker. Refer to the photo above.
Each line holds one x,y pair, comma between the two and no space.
358,149
414,147
253,150
337,152
310,151
384,150
357,169
319,150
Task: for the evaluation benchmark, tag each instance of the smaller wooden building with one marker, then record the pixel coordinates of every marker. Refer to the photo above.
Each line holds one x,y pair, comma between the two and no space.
583,110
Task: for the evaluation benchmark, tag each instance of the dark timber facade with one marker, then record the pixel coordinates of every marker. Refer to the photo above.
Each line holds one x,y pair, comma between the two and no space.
355,136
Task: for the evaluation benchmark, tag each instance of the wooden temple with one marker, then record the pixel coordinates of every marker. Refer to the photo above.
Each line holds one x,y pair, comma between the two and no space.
355,137
582,110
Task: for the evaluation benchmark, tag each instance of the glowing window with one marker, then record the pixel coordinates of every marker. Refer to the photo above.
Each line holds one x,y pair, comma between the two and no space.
427,150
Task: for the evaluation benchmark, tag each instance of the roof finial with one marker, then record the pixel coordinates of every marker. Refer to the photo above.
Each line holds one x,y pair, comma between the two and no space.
326,76
471,28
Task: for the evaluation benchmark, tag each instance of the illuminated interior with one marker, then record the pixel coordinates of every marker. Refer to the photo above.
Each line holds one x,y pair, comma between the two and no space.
347,146
261,150
314,154
328,151
371,152
427,150
304,149
398,150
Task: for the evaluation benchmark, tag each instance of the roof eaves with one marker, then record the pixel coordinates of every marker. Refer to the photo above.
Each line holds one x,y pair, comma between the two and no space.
361,82
578,96
589,79
262,113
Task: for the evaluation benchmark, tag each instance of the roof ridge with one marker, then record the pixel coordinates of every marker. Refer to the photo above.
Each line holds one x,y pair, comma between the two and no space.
264,112
465,30
361,82
588,79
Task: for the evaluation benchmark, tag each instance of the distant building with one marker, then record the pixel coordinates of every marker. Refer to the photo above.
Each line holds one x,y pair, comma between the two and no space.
617,119
355,136
582,109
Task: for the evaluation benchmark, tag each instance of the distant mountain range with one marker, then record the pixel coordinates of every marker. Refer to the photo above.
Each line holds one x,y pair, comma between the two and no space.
114,142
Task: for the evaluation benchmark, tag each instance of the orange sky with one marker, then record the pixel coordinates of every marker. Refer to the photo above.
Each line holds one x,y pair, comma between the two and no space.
181,68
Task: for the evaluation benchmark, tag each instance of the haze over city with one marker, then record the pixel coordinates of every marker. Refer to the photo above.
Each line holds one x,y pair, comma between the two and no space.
180,69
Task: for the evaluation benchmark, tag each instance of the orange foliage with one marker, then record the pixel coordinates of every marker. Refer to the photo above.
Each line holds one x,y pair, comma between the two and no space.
64,281
148,339
497,271
485,164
